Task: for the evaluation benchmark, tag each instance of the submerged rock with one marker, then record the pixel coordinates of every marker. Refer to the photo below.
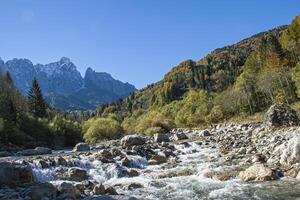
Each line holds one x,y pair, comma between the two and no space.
81,147
258,172
132,140
281,114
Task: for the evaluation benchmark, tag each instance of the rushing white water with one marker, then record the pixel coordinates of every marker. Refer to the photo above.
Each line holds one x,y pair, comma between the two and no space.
183,180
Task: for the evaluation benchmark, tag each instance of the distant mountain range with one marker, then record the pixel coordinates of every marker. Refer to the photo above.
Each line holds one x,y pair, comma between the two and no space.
64,87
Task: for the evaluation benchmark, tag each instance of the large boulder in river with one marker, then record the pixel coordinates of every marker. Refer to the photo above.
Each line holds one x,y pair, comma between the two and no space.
76,174
281,115
291,154
159,137
81,147
132,140
258,172
14,174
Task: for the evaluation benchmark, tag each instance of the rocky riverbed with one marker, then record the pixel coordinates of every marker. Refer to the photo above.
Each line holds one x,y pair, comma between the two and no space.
229,161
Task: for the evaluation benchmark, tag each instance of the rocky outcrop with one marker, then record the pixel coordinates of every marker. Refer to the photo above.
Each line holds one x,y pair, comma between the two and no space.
14,174
258,172
281,115
81,147
132,140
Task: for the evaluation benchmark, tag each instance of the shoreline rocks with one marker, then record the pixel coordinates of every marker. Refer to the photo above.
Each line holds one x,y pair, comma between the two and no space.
258,172
132,140
81,147
34,152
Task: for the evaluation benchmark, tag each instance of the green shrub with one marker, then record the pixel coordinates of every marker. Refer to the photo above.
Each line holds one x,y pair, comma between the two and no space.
131,122
215,115
100,129
152,130
154,119
65,132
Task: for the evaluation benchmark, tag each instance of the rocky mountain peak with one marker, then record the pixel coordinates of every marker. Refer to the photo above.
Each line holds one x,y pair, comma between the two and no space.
65,60
63,85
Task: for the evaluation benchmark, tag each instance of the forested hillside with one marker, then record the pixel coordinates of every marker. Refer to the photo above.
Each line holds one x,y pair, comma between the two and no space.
234,81
29,122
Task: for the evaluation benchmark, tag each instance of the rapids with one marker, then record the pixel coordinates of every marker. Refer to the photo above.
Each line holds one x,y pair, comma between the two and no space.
176,180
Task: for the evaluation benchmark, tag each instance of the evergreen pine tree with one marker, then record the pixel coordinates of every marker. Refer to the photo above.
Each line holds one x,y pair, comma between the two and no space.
36,102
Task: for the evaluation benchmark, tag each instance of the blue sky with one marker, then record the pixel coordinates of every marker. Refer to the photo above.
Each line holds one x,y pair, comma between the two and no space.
137,41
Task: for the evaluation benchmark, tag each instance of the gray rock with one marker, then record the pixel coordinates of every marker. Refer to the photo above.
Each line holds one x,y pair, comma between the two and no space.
111,191
76,174
61,161
40,190
280,115
205,133
179,136
14,174
132,173
291,154
99,189
132,140
258,172
43,150
68,188
159,137
157,159
81,147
